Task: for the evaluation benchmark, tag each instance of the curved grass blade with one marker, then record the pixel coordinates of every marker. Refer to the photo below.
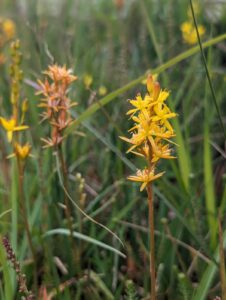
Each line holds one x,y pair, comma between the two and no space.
62,231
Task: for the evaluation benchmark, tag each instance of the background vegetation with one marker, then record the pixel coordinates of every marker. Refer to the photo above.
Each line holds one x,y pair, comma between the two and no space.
112,44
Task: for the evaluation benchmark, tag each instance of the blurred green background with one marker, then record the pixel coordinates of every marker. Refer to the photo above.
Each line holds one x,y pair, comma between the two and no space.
108,44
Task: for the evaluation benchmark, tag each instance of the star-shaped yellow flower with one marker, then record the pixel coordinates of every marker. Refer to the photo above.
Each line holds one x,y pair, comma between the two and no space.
139,104
10,127
145,176
21,151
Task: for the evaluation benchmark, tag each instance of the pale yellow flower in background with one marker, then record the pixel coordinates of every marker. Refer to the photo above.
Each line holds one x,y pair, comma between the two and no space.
196,9
102,90
10,127
88,80
189,32
9,28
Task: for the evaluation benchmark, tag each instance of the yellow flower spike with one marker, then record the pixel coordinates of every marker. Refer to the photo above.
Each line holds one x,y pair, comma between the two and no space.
10,127
145,176
150,135
152,130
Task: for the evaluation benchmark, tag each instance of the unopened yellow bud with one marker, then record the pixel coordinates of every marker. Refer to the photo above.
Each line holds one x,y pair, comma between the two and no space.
150,84
156,90
25,106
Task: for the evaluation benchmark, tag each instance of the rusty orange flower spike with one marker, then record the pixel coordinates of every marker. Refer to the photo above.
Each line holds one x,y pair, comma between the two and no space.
56,102
150,139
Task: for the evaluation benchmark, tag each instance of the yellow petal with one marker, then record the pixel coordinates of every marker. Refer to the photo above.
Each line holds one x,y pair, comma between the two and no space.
18,128
143,186
9,136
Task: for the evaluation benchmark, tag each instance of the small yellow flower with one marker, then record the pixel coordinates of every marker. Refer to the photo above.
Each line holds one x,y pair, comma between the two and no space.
196,9
145,176
139,104
102,90
9,28
189,32
88,80
20,151
160,151
10,127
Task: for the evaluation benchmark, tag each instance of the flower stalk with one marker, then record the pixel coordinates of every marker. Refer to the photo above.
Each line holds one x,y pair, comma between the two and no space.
14,126
56,105
150,139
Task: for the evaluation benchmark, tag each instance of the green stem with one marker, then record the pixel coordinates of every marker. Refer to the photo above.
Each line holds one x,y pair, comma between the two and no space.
222,259
75,252
25,219
152,240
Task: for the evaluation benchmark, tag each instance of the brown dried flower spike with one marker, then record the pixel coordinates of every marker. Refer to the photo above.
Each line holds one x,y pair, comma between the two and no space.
55,90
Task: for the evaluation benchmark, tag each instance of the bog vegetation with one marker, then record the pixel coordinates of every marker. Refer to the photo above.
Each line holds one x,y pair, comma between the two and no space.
72,225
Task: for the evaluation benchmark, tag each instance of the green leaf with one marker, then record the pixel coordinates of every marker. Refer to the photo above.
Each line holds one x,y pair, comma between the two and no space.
83,237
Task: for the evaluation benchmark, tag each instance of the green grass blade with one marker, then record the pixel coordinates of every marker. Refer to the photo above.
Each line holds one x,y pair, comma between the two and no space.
101,285
83,237
7,274
209,187
208,276
183,156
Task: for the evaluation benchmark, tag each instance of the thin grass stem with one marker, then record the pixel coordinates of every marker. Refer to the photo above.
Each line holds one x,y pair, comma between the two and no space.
207,71
152,240
25,219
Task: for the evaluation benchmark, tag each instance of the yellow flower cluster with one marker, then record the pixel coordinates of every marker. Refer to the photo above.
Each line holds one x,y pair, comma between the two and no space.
7,32
188,29
16,122
151,132
189,32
